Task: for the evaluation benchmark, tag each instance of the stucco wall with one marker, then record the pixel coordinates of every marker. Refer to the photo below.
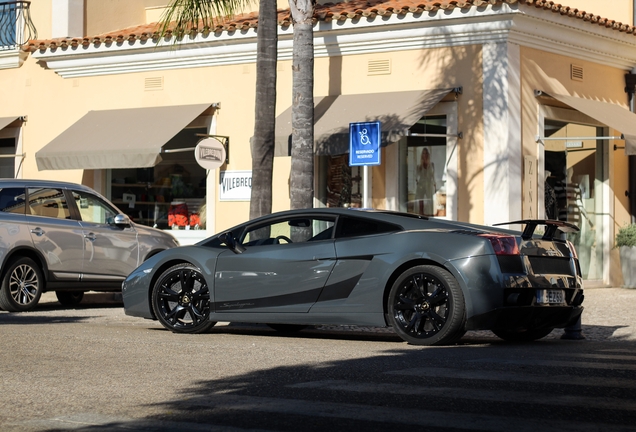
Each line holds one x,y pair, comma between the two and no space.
618,10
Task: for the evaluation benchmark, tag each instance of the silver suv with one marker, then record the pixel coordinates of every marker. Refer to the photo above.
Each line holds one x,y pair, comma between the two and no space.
66,238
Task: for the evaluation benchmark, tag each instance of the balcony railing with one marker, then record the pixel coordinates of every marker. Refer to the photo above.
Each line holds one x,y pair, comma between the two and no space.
16,27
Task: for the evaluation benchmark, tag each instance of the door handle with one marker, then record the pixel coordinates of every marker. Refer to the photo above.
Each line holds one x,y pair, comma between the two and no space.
90,236
37,231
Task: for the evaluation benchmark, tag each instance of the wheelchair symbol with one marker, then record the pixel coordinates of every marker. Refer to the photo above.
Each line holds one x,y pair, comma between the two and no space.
364,138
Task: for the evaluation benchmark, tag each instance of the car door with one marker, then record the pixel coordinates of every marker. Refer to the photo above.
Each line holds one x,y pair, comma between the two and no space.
283,268
111,251
353,284
55,234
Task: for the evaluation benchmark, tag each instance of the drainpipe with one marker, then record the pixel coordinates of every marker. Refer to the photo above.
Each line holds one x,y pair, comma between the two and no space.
630,88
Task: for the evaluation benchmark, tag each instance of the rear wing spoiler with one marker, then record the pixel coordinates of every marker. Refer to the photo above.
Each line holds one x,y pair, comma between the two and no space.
551,227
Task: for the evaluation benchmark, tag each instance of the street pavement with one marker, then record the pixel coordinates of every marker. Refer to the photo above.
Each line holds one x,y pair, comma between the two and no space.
91,368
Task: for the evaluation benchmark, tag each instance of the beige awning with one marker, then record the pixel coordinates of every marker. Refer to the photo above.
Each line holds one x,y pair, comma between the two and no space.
6,121
396,111
123,138
609,114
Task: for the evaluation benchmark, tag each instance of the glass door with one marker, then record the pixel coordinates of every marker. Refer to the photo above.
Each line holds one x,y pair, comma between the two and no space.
573,188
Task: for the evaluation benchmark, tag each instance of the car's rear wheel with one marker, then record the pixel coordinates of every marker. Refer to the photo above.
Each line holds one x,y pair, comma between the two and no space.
69,298
522,335
287,328
426,306
181,300
22,285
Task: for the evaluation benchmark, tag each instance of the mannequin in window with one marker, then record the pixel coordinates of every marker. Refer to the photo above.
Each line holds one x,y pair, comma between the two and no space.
568,194
425,185
550,199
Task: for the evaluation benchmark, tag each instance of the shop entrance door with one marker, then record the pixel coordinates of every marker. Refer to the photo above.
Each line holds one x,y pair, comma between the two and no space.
573,188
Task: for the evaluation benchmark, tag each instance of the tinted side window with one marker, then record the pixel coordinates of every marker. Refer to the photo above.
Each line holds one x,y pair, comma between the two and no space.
354,227
12,200
49,203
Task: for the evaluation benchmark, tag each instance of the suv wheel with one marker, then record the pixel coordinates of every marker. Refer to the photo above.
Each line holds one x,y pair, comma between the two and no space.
22,285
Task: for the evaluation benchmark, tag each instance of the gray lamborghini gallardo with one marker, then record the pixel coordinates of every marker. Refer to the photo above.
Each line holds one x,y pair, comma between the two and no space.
430,279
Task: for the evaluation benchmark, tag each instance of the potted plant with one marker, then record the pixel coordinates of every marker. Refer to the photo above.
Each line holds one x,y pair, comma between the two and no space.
626,242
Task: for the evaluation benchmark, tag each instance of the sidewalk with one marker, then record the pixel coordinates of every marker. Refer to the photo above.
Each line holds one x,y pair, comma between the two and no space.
610,314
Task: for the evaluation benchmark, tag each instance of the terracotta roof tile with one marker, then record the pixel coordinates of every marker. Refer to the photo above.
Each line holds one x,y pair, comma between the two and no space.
353,9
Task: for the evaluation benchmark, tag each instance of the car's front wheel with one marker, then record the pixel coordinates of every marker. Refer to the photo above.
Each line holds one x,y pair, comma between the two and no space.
522,335
69,298
22,285
181,300
426,306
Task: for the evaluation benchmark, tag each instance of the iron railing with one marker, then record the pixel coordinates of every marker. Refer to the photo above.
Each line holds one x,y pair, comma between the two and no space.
16,27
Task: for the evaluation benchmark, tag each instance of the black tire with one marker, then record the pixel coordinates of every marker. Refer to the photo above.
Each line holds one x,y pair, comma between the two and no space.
522,335
426,306
69,298
22,285
181,300
287,328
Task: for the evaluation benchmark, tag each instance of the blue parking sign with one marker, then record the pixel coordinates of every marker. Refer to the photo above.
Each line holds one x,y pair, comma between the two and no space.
364,143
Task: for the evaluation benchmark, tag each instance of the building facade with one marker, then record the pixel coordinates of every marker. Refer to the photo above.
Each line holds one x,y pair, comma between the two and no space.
491,112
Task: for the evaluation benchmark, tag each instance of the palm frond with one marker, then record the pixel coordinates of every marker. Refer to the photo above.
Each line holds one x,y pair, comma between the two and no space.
183,17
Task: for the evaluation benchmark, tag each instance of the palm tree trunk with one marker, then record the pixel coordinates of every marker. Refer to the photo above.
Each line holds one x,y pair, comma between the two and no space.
302,151
265,116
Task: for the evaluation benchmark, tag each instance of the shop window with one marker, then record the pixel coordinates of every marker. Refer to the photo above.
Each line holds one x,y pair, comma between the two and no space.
343,188
7,164
170,195
423,168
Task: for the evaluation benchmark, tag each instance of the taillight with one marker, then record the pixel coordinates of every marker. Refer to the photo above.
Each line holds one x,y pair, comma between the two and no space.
572,249
502,244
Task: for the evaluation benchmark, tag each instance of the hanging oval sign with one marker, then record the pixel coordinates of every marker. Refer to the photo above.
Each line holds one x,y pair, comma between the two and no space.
210,153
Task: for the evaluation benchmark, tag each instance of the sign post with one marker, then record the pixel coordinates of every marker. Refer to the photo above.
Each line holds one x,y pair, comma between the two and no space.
364,150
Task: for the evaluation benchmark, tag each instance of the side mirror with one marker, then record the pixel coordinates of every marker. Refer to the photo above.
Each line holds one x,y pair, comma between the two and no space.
231,243
121,219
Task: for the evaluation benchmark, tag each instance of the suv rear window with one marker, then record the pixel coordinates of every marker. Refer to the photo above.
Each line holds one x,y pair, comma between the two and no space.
12,200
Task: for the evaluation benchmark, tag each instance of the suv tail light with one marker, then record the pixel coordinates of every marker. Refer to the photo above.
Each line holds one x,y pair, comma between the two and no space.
502,244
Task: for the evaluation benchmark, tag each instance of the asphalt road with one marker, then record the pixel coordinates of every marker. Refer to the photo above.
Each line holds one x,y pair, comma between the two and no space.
92,368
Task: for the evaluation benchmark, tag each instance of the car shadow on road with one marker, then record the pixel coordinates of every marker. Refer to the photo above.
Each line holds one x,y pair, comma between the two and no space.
411,388
26,318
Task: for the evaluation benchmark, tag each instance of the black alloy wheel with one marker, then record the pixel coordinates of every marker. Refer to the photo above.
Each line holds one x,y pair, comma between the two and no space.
69,298
522,335
426,306
181,300
22,286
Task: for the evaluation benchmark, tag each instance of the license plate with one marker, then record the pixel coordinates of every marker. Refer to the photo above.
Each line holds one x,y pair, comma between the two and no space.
549,296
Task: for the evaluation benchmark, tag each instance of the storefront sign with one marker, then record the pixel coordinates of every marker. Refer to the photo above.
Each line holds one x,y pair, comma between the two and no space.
235,186
364,143
210,153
